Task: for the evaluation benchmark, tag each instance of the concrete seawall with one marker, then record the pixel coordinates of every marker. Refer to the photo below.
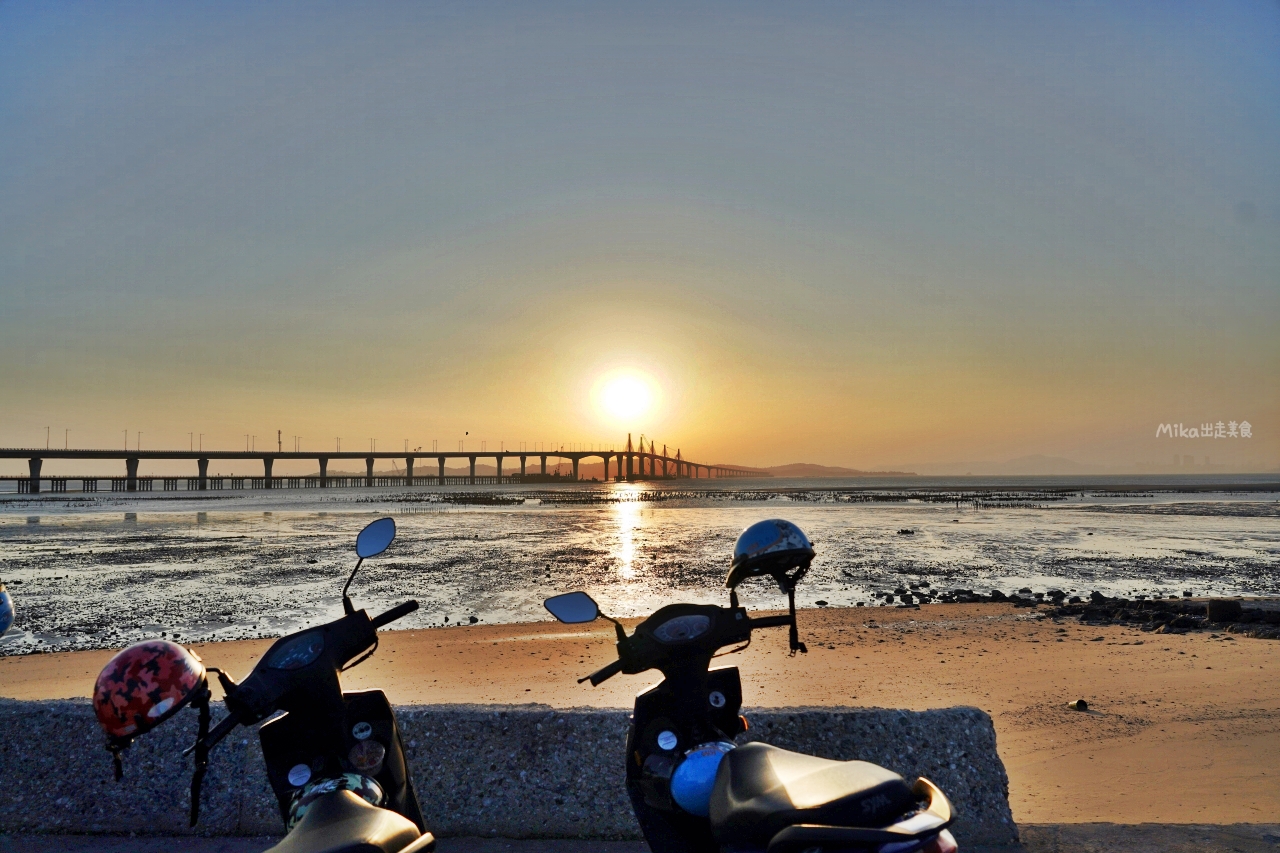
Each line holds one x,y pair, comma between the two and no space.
514,771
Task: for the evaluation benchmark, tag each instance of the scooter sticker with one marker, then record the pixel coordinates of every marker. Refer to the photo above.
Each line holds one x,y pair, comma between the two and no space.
667,740
362,731
299,775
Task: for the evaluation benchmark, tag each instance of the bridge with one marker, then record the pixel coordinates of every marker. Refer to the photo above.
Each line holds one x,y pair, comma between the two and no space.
630,464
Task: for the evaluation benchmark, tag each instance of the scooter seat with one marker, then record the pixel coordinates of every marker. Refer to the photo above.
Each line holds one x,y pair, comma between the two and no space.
760,790
342,822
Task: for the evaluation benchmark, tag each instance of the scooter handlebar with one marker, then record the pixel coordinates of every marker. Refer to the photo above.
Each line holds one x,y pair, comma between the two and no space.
602,675
393,614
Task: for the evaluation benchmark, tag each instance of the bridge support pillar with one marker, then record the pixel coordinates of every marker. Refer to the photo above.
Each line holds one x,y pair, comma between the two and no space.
368,471
499,461
473,470
522,467
544,465
440,459
575,469
324,472
408,471
34,466
606,468
131,474
203,465
267,462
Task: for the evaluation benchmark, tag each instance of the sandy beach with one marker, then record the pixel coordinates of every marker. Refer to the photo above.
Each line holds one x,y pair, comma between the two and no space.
1181,728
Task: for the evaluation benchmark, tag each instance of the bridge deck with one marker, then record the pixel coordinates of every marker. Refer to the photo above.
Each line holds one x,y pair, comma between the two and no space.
631,464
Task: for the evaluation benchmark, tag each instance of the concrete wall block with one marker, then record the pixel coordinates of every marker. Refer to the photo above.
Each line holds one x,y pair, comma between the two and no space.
513,771
58,775
520,772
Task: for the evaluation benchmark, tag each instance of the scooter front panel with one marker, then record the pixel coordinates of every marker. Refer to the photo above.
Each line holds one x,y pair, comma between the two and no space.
299,748
666,724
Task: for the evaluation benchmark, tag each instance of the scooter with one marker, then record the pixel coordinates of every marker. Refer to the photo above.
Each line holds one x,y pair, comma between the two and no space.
694,791
334,758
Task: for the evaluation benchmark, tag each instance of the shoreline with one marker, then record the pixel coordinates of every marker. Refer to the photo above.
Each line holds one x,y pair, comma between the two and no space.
1182,728
1169,481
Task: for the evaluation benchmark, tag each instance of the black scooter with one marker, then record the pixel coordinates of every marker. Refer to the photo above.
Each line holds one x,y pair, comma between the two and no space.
327,747
693,791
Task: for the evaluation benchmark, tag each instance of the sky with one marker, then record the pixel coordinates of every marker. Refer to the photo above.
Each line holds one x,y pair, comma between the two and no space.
876,234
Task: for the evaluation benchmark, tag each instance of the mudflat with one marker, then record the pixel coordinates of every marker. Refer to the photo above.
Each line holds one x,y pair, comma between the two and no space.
1180,728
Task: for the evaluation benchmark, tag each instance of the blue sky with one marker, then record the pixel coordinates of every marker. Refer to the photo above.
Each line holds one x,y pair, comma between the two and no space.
891,232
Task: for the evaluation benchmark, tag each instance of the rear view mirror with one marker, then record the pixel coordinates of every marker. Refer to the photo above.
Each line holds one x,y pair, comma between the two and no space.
375,538
572,608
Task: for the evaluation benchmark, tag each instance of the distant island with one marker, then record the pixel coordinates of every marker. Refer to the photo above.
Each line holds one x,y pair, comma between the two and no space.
808,470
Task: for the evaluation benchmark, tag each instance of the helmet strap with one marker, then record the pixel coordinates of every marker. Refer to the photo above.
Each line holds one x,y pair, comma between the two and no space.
788,583
201,701
796,645
117,765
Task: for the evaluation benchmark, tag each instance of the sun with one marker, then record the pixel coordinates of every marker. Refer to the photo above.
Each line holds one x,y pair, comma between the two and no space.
626,396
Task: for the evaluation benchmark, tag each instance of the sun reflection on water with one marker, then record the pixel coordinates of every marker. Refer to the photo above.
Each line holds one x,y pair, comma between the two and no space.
628,514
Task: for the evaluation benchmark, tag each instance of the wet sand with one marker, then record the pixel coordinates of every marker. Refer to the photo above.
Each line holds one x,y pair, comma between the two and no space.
1181,728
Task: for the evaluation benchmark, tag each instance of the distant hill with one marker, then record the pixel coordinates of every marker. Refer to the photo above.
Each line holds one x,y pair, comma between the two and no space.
810,471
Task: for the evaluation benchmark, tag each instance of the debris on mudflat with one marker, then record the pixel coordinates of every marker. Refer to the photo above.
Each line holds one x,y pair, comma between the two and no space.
906,531
1171,616
1078,705
1162,616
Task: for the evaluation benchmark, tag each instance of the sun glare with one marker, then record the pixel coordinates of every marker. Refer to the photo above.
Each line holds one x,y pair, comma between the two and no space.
626,396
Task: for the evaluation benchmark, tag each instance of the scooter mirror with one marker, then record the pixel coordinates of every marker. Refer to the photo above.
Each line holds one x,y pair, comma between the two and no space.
572,607
375,538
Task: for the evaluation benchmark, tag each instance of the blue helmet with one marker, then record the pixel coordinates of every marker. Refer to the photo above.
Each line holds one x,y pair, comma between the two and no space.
770,547
6,610
694,779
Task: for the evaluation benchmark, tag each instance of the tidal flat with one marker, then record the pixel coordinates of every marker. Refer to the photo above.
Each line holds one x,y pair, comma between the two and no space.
102,571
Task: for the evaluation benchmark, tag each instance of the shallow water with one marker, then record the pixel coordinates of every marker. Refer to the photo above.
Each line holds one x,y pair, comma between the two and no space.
102,571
